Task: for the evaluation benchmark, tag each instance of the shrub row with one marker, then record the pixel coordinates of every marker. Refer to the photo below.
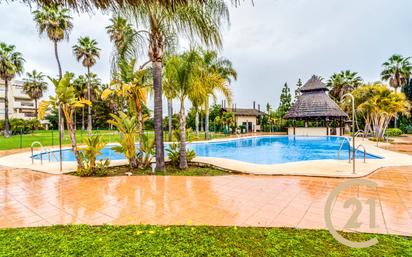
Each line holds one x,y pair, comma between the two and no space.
21,125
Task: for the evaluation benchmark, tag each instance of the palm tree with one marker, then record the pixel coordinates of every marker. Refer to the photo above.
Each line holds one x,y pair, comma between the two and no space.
181,73
87,51
80,84
217,76
397,71
34,86
125,40
378,105
127,126
194,20
91,5
170,94
56,22
11,63
133,85
343,82
66,100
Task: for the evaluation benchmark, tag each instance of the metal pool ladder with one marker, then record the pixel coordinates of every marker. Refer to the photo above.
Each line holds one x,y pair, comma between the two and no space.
341,145
364,151
41,151
359,132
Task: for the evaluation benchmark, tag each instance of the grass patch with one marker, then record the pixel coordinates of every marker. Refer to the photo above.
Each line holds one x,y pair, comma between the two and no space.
50,138
170,171
145,240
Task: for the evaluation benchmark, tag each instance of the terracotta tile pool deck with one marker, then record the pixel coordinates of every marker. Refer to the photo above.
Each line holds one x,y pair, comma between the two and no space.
29,198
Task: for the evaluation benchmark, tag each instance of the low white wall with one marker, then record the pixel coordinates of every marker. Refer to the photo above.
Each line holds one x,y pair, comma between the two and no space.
319,131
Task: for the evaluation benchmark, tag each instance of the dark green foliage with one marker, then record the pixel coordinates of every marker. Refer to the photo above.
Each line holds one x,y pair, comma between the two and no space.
18,126
407,129
297,90
285,100
407,90
175,122
145,240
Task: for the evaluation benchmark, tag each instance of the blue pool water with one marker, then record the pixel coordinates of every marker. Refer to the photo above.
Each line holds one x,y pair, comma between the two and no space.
259,150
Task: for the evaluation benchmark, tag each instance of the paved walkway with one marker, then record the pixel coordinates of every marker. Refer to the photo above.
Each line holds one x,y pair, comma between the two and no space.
30,198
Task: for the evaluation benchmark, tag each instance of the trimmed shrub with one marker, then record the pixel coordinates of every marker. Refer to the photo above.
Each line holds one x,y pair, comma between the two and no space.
393,132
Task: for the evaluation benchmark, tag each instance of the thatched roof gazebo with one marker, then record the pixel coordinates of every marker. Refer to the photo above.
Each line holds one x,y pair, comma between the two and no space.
314,105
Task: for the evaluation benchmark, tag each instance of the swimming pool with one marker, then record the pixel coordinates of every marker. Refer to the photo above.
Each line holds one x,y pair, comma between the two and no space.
258,150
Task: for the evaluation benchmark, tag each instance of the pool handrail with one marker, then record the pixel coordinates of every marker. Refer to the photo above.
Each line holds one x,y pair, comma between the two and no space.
41,151
49,151
359,132
341,145
364,151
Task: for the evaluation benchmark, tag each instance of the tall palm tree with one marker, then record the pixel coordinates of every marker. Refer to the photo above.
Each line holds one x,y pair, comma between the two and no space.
57,23
34,86
87,51
397,70
11,63
217,75
195,20
181,73
343,82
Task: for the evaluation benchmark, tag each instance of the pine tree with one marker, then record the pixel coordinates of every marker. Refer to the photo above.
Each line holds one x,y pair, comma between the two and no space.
285,100
268,108
297,90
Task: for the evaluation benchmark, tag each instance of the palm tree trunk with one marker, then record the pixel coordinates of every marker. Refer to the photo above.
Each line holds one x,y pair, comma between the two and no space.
207,120
201,122
197,122
70,127
158,113
6,109
140,135
89,108
61,121
35,108
170,114
57,59
82,118
182,153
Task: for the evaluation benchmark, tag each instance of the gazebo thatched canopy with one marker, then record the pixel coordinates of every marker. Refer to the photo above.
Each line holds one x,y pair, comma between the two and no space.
314,103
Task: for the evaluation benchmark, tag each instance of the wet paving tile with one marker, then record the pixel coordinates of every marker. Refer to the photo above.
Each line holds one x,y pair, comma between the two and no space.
29,198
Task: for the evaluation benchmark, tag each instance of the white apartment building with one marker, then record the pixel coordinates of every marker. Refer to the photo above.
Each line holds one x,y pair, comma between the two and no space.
20,104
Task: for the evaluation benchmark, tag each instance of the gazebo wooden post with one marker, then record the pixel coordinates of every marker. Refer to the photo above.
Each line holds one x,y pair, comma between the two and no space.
294,127
327,126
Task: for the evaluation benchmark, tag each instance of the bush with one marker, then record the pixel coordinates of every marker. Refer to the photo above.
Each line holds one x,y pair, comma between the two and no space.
393,132
21,125
174,157
407,129
89,153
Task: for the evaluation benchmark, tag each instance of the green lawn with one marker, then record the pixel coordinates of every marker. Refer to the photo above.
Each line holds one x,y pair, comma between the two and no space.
50,138
142,240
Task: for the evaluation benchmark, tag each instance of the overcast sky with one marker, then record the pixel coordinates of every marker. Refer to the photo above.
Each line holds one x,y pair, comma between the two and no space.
270,43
